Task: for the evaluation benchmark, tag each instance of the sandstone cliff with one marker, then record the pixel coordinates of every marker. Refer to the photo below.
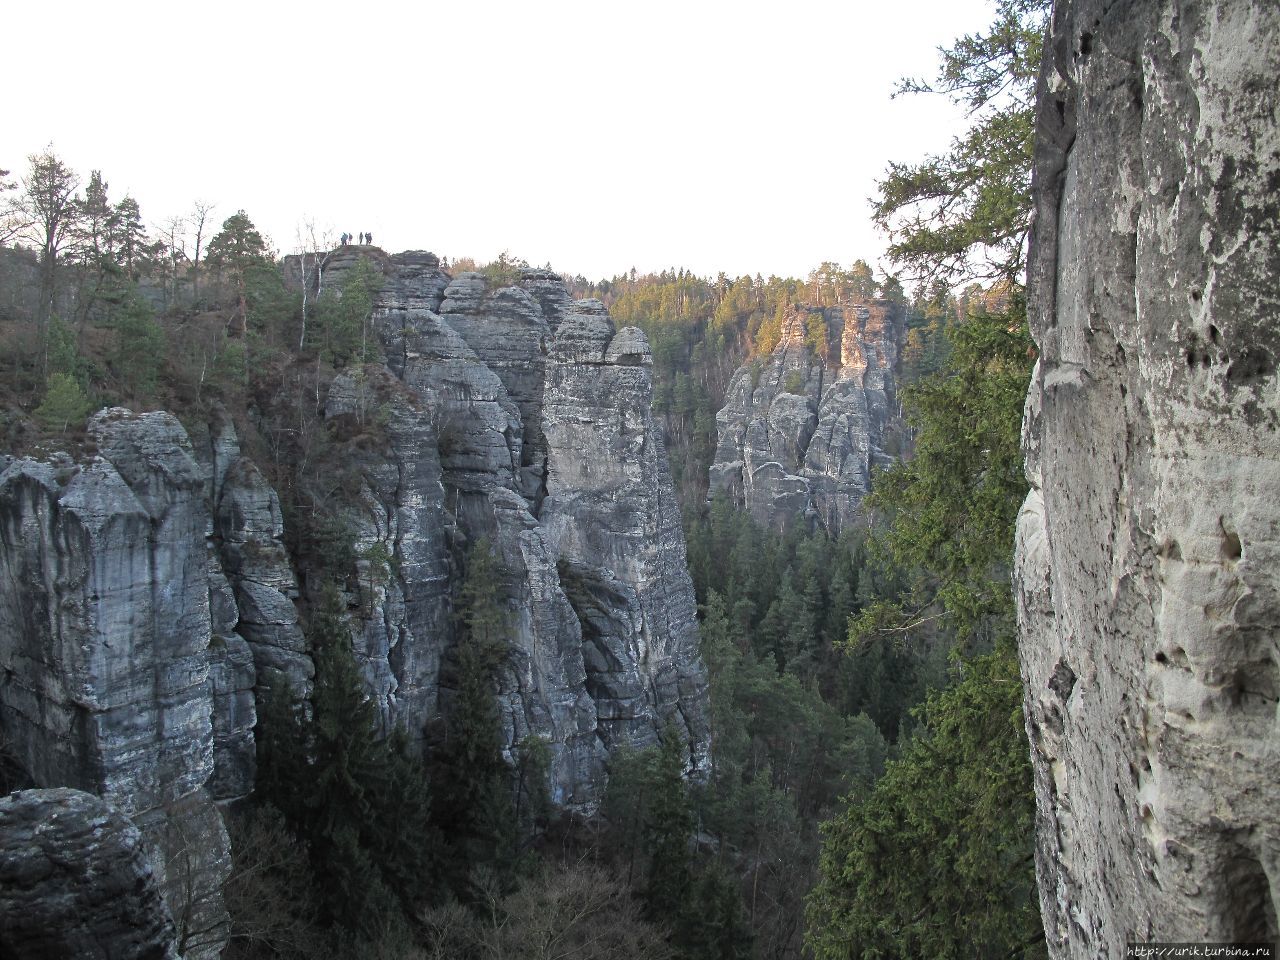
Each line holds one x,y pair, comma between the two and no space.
148,594
105,643
799,435
74,882
1147,548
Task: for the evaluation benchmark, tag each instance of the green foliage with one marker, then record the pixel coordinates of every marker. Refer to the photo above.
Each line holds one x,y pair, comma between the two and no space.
138,345
358,800
503,272
64,403
794,382
967,210
711,924
955,502
342,317
937,861
473,797
669,825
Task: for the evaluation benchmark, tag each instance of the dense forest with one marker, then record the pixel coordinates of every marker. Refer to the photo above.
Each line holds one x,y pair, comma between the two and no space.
870,792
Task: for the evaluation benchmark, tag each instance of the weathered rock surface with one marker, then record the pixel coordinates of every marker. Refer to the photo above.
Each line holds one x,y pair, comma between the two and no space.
612,517
148,599
1149,546
798,435
541,418
105,628
75,883
249,530
402,576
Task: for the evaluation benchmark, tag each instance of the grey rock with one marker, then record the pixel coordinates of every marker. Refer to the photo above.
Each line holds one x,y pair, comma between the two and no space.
233,677
249,528
75,883
508,332
485,374
105,627
799,436
549,290
401,614
1147,553
612,518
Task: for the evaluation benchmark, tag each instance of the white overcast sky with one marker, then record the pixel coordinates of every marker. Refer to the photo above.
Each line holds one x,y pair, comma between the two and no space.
740,137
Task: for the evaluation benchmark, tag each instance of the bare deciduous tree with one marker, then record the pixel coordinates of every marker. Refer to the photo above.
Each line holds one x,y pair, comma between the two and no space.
199,220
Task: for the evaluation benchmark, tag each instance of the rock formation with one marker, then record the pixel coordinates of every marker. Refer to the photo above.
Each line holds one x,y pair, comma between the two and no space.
525,420
74,882
105,633
798,435
1147,556
148,597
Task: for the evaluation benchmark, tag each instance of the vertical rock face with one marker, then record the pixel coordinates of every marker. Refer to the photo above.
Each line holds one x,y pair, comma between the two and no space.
549,452
75,884
519,417
611,514
1148,552
147,596
104,635
798,435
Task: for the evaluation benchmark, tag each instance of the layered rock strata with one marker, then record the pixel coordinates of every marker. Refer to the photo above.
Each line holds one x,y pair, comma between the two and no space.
541,411
75,883
148,598
799,435
1148,549
515,416
105,631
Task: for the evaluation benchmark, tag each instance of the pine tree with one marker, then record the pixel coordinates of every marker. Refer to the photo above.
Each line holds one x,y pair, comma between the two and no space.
668,831
359,801
234,252
64,402
472,797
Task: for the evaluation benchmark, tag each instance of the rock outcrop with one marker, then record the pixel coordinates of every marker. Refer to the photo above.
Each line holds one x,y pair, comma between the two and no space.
75,883
540,413
105,630
515,416
799,435
149,599
1148,552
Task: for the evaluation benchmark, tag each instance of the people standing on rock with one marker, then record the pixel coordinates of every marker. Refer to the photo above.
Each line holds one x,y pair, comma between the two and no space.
343,239
368,238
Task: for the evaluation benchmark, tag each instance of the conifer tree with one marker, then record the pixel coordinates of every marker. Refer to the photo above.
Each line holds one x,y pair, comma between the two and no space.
64,402
360,801
472,796
668,831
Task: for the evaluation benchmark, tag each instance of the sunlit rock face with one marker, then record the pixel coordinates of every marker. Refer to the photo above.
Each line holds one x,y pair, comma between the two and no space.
800,434
1148,551
105,631
74,882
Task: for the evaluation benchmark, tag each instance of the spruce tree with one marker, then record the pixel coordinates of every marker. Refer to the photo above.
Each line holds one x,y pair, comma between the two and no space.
472,796
668,831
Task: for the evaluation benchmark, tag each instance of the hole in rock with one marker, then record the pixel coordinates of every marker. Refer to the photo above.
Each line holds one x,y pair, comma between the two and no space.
1063,680
1251,915
1086,44
1252,364
1214,333
1231,548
